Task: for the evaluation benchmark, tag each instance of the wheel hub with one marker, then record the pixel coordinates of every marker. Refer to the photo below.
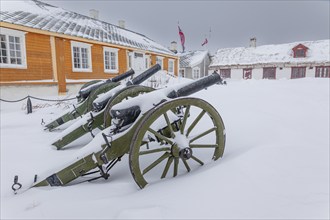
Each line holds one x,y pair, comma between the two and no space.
181,148
185,153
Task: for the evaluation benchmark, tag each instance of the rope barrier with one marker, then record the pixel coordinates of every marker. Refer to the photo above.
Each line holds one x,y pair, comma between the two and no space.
40,99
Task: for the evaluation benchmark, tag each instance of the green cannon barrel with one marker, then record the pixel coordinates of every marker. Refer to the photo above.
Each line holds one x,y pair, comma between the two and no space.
129,115
84,105
99,104
196,86
95,118
84,93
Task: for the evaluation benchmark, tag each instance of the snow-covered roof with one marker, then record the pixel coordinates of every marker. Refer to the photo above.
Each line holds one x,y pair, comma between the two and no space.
39,15
192,58
318,51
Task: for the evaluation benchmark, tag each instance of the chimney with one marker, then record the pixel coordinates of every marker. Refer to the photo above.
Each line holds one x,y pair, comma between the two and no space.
173,47
253,42
121,23
94,13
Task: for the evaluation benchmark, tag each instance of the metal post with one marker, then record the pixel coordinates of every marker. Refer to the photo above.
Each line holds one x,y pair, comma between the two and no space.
29,105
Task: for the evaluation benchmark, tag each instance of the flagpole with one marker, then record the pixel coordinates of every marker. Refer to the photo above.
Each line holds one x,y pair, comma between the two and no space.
209,37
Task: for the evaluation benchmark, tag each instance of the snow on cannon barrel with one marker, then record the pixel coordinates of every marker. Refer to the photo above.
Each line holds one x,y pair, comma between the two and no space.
129,115
84,92
97,116
158,130
100,102
85,98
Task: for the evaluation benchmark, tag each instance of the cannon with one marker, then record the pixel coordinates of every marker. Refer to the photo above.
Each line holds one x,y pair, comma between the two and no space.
86,96
90,86
90,91
99,116
158,130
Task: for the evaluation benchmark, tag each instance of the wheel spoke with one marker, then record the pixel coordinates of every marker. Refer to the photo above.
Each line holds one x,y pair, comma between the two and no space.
197,160
169,124
203,145
167,166
186,164
156,162
186,113
195,122
160,136
176,163
154,150
203,134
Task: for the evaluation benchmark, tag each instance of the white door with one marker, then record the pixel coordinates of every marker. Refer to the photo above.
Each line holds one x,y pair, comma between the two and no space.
138,62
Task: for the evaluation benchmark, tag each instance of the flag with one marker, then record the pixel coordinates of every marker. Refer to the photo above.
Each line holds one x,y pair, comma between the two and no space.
182,38
205,42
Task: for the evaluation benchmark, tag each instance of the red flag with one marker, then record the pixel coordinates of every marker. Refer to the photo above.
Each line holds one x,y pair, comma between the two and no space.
205,42
182,38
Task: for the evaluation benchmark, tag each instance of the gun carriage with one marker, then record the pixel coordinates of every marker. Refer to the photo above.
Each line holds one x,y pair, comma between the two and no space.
96,99
159,130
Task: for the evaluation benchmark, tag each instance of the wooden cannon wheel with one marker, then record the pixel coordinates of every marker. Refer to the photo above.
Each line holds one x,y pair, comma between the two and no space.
185,132
86,85
102,89
125,93
89,83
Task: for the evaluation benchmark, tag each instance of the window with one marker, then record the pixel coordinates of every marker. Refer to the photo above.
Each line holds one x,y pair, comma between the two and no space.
247,73
196,72
322,71
81,57
129,56
12,49
299,51
171,66
269,73
298,72
181,72
225,73
159,60
147,61
110,60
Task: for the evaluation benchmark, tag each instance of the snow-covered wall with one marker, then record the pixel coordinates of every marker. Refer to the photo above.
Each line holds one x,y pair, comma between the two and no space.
257,73
318,52
14,92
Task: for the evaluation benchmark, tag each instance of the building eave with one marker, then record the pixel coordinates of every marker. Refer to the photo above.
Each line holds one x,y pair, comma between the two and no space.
81,39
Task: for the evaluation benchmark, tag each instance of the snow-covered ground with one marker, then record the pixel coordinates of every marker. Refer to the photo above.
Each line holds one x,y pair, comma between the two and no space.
275,165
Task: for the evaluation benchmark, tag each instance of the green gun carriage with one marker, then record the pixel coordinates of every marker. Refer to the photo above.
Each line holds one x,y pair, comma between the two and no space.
160,131
101,103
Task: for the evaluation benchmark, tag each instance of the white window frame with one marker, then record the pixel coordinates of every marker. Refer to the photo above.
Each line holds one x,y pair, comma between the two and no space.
199,72
147,61
111,50
182,70
9,32
162,61
89,58
129,60
171,62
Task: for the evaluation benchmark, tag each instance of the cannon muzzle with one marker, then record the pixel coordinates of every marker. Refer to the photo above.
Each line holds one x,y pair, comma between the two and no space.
145,75
84,93
121,76
196,86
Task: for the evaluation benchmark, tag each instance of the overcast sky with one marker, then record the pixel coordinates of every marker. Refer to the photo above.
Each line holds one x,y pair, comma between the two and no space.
232,23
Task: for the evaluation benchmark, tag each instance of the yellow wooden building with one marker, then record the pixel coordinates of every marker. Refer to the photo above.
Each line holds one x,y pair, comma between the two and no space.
43,44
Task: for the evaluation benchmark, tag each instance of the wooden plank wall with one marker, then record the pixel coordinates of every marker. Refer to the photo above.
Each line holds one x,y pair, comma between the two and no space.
39,61
40,66
97,63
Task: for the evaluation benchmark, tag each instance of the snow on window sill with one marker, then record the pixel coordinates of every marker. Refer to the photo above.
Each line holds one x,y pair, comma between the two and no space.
81,70
111,71
13,66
